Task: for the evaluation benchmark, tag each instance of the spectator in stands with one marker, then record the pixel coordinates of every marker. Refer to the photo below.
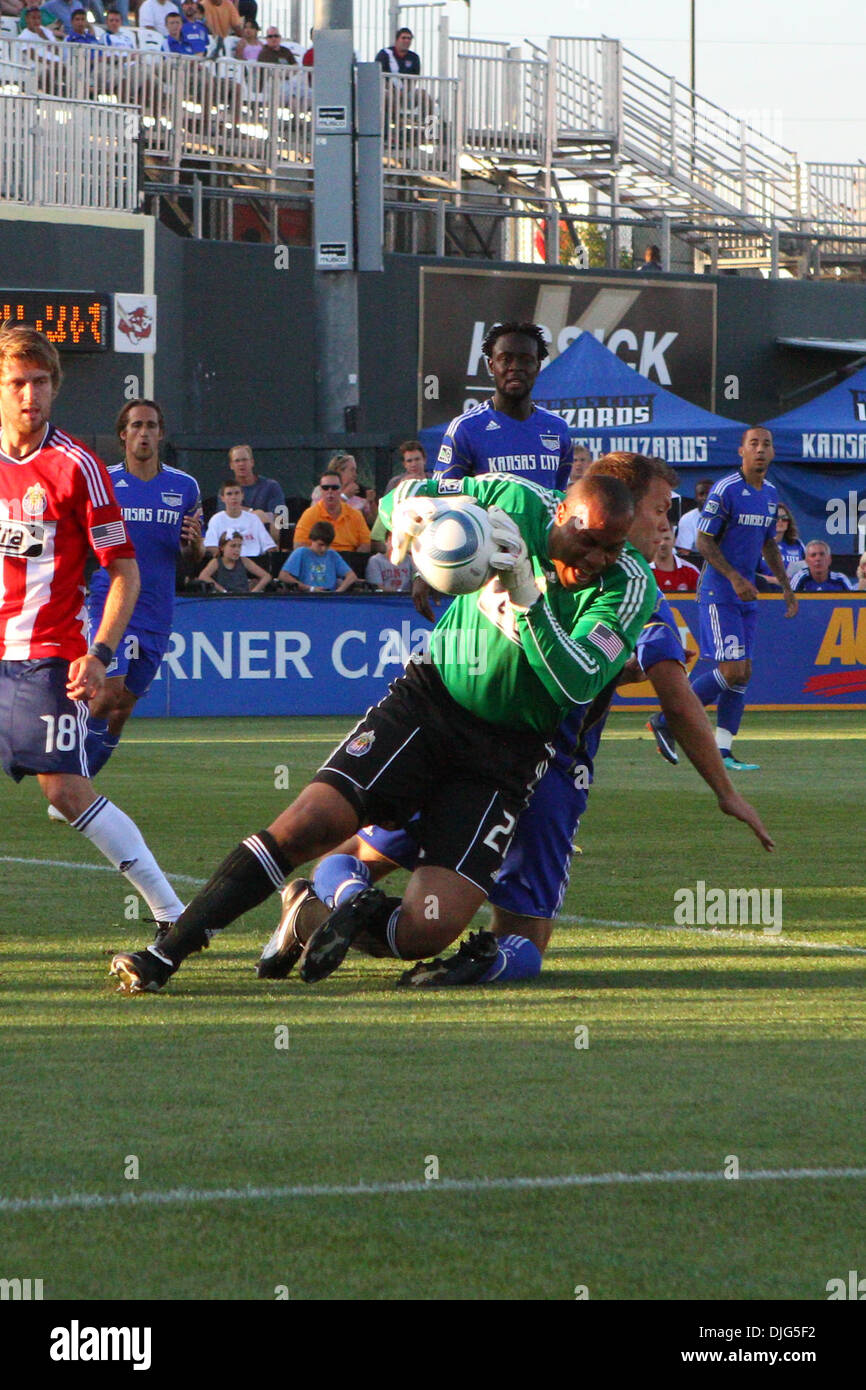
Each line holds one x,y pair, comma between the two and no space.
581,458
194,31
361,498
261,495
316,568
308,58
673,575
687,530
152,13
250,45
861,572
63,10
791,549
116,36
81,30
34,30
173,41
230,572
817,577
46,18
652,259
351,530
222,18
390,578
256,540
399,60
248,9
274,51
413,457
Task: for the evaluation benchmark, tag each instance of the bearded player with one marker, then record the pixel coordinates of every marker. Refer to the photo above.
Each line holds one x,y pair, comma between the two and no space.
57,504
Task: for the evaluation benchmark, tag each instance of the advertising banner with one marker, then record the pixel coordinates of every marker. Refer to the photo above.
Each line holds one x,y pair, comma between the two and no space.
277,656
665,329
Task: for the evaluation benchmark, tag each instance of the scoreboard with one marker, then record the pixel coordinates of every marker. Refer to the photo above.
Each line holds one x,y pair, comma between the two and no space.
71,320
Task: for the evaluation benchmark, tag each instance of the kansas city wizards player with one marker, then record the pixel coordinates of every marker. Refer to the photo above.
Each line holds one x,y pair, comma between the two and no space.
528,892
161,508
463,747
509,433
58,504
736,528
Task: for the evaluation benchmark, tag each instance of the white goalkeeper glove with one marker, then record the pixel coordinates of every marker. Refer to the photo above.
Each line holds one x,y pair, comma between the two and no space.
408,521
511,560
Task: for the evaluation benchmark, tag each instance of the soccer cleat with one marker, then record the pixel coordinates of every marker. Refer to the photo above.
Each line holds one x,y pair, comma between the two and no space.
467,966
55,815
284,949
665,741
141,972
734,765
329,943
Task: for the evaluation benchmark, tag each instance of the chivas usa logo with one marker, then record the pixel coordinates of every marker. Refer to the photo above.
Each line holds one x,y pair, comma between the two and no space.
34,501
361,745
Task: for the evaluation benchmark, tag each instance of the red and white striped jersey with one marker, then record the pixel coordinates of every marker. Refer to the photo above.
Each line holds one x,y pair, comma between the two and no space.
55,506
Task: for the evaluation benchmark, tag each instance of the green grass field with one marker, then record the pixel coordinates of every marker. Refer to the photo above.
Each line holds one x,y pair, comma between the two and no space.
701,1045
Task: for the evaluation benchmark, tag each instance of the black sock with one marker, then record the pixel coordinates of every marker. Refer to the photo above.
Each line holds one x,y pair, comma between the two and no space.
245,878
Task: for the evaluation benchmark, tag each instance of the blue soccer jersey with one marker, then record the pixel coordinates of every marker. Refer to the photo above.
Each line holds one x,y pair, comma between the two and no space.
740,518
153,511
835,583
486,441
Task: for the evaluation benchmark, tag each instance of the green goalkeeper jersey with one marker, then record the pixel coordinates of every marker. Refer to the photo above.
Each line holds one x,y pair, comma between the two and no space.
528,668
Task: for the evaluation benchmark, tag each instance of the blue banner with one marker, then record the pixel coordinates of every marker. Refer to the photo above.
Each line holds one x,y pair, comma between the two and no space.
285,656
816,660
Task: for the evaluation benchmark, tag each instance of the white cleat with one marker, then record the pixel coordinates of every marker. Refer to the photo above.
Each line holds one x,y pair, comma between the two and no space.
54,814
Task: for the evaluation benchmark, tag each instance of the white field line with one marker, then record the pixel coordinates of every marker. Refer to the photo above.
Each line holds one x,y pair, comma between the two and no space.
726,934
196,1196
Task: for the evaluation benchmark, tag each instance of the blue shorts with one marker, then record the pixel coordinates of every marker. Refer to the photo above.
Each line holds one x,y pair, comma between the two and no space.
41,729
535,872
727,630
137,658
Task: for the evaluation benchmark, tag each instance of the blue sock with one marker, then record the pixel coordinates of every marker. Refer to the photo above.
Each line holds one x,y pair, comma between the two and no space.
731,705
709,686
98,750
339,878
518,959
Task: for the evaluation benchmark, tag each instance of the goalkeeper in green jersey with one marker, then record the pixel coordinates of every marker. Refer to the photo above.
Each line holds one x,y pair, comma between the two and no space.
462,751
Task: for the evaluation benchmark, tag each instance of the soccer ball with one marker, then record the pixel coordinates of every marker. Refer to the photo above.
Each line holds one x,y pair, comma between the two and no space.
453,551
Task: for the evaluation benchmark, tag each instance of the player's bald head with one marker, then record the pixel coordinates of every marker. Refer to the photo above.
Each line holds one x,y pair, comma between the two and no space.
605,496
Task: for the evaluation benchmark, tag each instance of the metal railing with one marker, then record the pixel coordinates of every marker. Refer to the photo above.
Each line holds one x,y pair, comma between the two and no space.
68,153
834,195
585,80
420,121
504,106
684,137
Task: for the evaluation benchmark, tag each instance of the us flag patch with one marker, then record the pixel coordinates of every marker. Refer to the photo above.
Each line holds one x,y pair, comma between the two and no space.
108,534
606,641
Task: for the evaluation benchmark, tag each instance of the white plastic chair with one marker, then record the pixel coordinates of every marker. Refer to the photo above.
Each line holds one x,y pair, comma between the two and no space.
149,39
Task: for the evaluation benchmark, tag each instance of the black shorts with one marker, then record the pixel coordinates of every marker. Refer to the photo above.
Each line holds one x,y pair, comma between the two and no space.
418,751
41,729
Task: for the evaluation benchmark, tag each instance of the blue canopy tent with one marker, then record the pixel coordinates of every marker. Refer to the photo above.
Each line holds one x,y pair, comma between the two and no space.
609,406
820,467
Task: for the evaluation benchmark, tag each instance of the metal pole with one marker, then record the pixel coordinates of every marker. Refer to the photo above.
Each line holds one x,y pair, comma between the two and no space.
335,290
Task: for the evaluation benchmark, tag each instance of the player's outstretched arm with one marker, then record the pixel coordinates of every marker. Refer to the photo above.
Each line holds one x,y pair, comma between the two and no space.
692,729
